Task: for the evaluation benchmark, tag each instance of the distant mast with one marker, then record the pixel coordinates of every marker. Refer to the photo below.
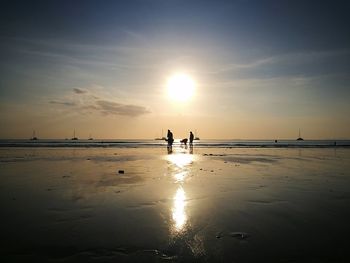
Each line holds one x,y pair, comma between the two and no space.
196,138
34,138
74,138
160,138
299,137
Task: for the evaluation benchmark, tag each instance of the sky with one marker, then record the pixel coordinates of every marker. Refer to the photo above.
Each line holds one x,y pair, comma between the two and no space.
262,69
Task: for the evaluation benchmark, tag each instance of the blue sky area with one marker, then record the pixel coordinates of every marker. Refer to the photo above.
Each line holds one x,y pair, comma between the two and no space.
263,69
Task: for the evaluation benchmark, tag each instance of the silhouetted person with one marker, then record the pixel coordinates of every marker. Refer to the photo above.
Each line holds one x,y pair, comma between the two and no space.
170,140
184,141
191,138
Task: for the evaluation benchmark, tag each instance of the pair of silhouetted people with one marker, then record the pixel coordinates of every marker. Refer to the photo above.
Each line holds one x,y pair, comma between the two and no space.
184,141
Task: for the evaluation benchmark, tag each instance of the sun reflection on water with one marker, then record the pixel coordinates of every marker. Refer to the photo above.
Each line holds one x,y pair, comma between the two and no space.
180,177
180,160
179,213
180,169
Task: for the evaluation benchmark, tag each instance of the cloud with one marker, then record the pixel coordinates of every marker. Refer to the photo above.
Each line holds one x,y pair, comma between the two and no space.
287,59
65,103
95,100
104,107
79,91
75,53
114,108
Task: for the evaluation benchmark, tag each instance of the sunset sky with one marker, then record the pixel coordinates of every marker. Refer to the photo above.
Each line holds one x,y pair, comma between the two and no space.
261,69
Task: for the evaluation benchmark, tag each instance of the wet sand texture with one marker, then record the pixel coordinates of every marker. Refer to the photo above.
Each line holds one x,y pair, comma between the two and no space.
215,205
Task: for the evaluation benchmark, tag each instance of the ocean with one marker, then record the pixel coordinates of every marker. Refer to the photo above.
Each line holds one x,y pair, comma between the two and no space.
137,143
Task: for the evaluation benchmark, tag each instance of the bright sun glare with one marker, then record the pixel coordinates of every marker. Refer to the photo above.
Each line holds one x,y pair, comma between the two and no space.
180,87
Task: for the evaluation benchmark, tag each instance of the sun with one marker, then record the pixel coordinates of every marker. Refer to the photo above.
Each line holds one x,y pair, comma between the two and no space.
180,87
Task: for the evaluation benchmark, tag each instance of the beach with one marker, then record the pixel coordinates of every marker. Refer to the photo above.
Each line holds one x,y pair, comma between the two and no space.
200,204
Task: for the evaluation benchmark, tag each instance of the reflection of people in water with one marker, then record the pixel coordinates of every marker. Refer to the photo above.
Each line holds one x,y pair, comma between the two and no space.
191,138
170,140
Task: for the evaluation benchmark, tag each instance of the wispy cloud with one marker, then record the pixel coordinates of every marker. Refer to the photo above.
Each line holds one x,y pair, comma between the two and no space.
95,103
65,103
114,108
85,54
296,58
79,91
254,64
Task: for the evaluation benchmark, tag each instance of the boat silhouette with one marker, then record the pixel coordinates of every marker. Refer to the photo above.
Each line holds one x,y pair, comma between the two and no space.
299,137
196,138
74,137
160,138
34,138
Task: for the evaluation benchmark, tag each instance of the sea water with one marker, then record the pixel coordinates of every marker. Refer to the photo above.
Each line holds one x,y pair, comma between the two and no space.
136,143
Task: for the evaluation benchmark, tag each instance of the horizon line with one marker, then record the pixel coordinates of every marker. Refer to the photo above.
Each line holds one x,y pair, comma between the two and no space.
153,139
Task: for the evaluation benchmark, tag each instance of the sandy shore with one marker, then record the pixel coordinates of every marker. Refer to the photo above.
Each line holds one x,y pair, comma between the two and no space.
215,205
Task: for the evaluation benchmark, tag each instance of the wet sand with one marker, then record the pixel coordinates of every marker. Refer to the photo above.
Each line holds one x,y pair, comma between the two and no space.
215,205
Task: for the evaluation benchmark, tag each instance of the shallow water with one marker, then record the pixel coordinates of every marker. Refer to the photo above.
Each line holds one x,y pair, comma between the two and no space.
207,143
214,205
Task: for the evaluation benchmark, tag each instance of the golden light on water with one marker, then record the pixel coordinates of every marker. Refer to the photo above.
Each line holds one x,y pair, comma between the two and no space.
180,160
180,176
179,213
180,87
180,172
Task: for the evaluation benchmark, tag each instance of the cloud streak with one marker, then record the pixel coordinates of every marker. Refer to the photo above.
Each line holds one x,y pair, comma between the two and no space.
71,53
64,103
114,108
79,91
289,60
91,104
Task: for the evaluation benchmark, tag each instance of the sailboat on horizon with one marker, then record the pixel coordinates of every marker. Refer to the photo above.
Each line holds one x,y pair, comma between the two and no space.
196,138
74,137
33,138
299,137
162,138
